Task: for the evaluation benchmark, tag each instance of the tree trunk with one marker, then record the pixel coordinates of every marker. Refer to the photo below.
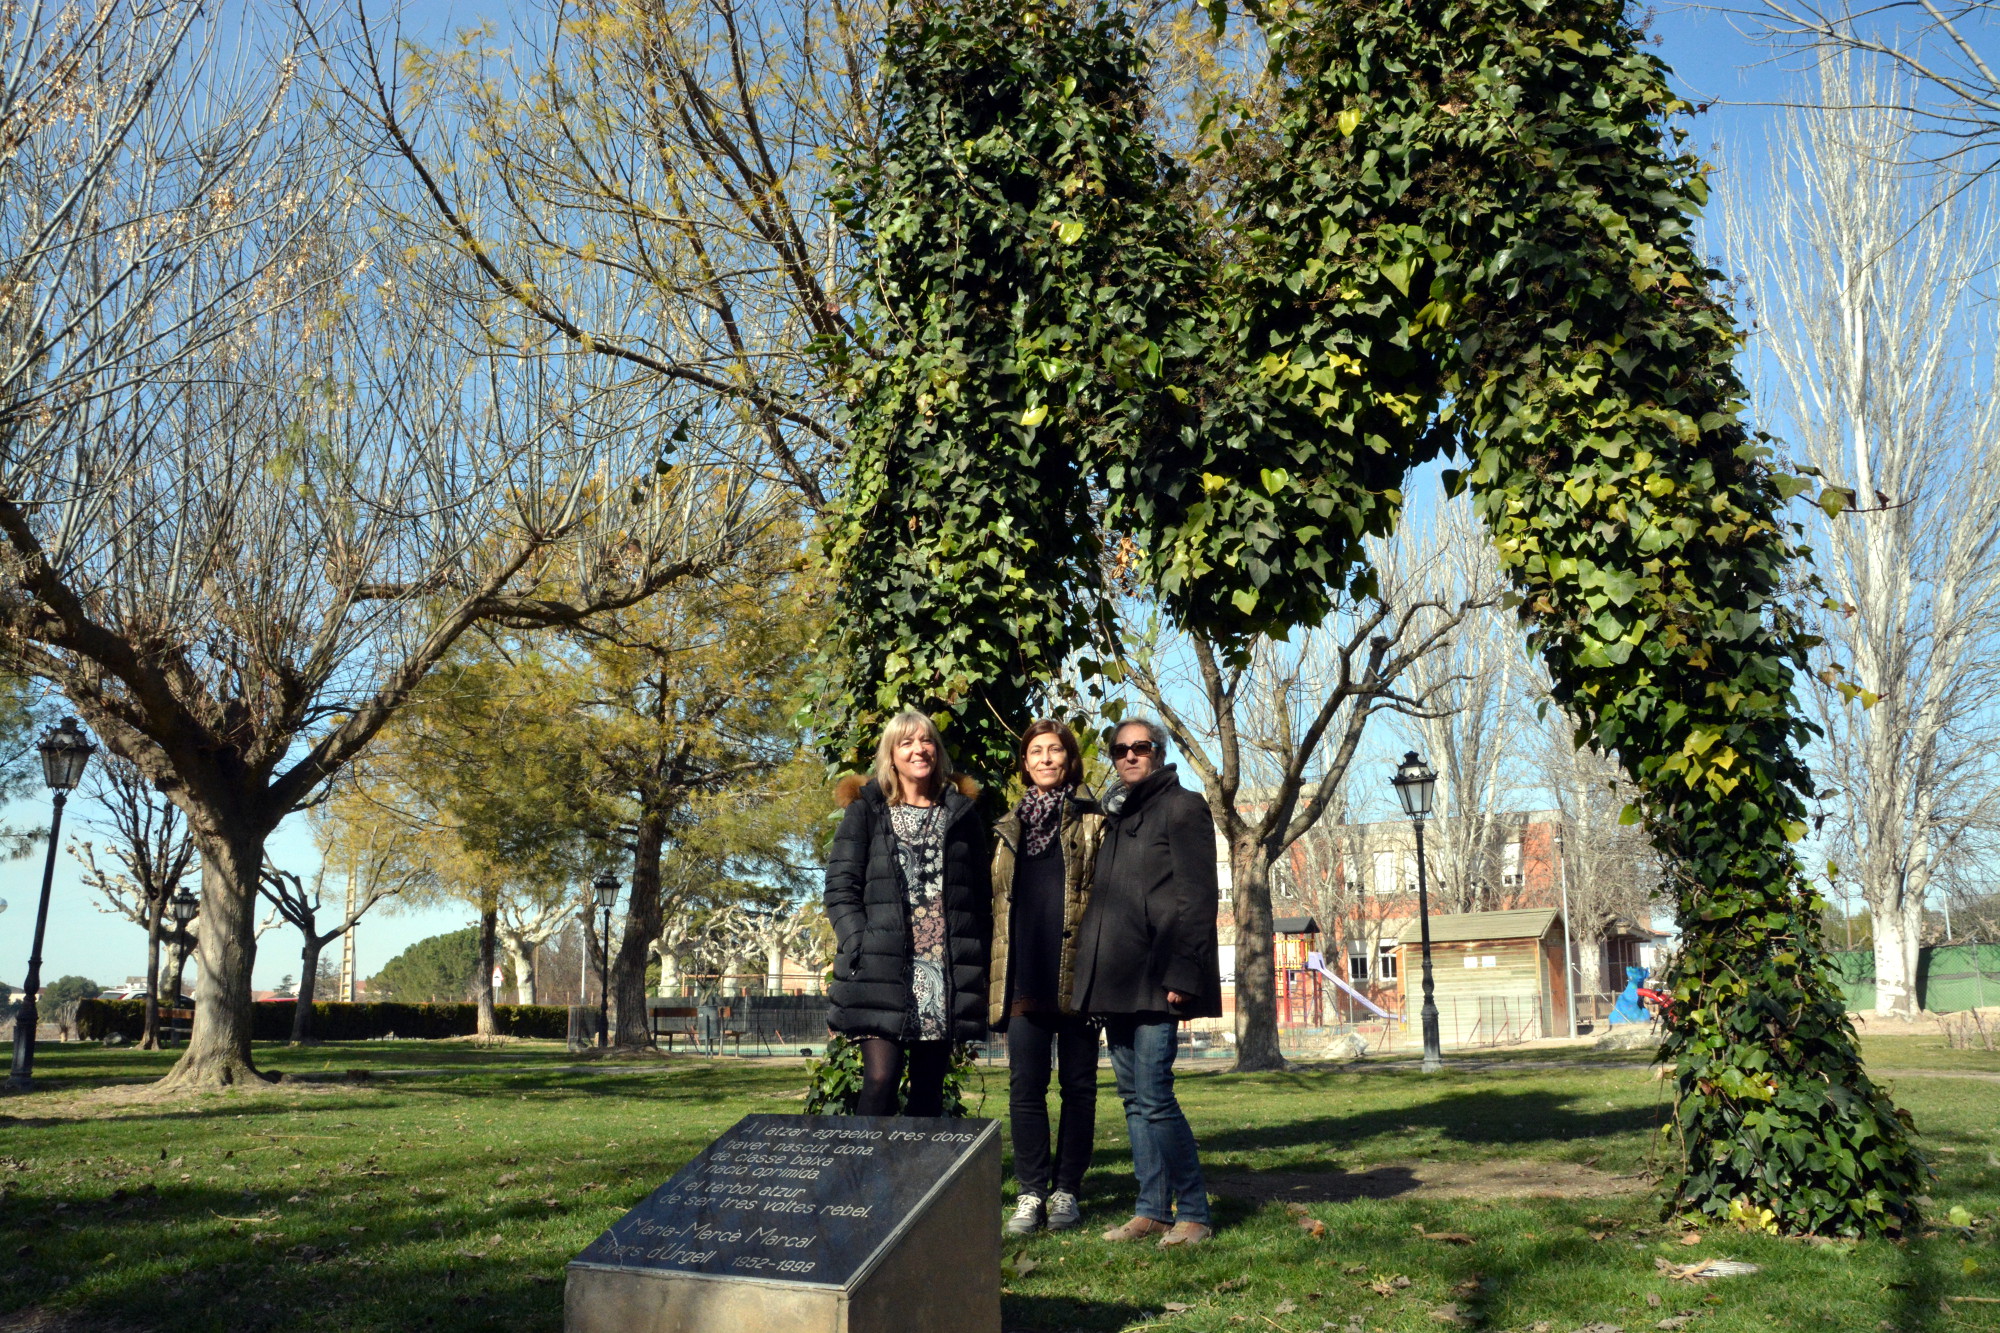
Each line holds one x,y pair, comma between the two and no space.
156,909
218,1049
482,985
521,962
642,927
1898,933
1256,965
302,1012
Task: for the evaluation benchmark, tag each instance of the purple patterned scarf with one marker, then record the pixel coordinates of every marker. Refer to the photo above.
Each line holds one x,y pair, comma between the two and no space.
1041,816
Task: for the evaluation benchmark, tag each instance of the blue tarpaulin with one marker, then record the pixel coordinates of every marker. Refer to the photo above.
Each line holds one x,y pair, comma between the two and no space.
1628,1009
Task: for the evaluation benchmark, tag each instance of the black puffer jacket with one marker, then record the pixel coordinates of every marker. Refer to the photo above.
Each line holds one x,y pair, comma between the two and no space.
1150,927
871,918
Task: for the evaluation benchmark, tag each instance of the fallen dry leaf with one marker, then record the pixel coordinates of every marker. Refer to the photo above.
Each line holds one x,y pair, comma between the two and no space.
1690,1238
1176,1307
1451,1314
1703,1269
1355,1268
1674,1321
1653,1299
1313,1227
1602,1328
1382,1288
1284,1307
506,1178
1233,1284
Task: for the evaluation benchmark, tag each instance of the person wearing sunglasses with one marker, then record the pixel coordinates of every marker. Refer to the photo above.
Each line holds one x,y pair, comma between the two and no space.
1145,960
910,902
1043,855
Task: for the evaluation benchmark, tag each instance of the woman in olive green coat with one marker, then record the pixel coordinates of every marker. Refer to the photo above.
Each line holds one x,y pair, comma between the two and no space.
1043,854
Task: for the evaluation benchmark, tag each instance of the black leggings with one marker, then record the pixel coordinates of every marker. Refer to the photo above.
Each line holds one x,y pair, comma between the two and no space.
882,1070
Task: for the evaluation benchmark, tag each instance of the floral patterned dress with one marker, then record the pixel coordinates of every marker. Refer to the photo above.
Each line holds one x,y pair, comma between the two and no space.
919,834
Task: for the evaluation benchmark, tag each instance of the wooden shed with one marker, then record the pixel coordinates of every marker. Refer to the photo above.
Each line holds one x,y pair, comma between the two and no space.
1497,976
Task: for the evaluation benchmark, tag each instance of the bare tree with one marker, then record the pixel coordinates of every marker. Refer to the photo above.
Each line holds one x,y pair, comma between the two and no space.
240,577
527,921
1475,687
1609,869
1271,738
652,182
154,856
1937,57
1865,278
374,872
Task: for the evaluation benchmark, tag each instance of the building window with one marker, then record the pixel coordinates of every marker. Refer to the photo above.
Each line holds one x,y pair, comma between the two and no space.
1386,963
1510,866
1357,962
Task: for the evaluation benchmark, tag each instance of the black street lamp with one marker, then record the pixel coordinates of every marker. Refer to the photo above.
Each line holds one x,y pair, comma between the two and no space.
1414,782
65,752
182,908
606,887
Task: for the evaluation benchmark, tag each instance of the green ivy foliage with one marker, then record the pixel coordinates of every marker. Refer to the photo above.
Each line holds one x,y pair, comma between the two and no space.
1474,237
1029,273
833,1082
1489,189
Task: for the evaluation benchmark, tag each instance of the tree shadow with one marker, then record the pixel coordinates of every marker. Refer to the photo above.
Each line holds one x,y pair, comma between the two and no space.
1475,1117
1056,1313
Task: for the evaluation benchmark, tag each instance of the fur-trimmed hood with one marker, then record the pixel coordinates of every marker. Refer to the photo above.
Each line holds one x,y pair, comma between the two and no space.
849,788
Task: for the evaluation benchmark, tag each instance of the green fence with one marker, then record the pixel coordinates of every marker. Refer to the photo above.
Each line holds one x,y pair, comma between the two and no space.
1949,978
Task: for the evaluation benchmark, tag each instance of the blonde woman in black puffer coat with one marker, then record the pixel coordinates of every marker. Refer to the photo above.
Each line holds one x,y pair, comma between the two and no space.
909,896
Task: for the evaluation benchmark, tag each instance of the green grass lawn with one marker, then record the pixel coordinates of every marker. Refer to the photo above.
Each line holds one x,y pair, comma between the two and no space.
451,1198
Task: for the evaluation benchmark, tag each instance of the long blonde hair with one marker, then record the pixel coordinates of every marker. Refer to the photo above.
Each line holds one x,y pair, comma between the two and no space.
901,727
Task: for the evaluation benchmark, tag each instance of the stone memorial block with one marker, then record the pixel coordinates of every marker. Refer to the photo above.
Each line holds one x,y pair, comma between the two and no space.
807,1224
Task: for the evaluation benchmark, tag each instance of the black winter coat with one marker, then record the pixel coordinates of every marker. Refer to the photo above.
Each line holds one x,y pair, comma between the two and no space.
1150,926
871,917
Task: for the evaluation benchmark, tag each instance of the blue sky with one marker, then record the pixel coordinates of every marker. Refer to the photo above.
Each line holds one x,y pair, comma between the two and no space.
1713,60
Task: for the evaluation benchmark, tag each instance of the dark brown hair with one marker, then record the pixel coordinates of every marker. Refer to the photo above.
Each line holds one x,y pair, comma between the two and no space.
1048,726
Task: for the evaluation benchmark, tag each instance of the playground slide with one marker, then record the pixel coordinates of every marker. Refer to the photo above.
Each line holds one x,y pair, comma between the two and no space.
1317,962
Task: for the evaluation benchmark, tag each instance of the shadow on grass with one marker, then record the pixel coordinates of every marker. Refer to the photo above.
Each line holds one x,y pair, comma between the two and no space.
197,1258
1065,1312
1479,1117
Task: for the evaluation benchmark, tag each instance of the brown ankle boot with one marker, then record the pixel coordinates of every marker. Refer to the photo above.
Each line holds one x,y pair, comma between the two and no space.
1137,1229
1186,1233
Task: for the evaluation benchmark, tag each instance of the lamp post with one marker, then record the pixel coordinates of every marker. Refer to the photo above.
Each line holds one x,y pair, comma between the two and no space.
1414,783
65,751
606,888
182,907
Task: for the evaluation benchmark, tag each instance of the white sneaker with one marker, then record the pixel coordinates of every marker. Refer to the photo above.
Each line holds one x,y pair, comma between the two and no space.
1064,1215
1027,1218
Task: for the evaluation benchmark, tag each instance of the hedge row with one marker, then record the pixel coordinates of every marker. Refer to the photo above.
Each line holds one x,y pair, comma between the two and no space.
97,1019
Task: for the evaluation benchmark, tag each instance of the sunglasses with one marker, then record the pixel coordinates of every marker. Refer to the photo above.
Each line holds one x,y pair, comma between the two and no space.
1140,748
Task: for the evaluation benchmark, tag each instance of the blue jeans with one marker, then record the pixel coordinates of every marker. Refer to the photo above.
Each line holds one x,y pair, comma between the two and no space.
1164,1156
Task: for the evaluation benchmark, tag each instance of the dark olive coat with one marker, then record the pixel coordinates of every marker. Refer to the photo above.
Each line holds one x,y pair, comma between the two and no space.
871,918
1150,926
1082,830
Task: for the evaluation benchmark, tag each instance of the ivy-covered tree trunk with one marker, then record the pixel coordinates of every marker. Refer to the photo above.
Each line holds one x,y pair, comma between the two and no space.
1469,230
